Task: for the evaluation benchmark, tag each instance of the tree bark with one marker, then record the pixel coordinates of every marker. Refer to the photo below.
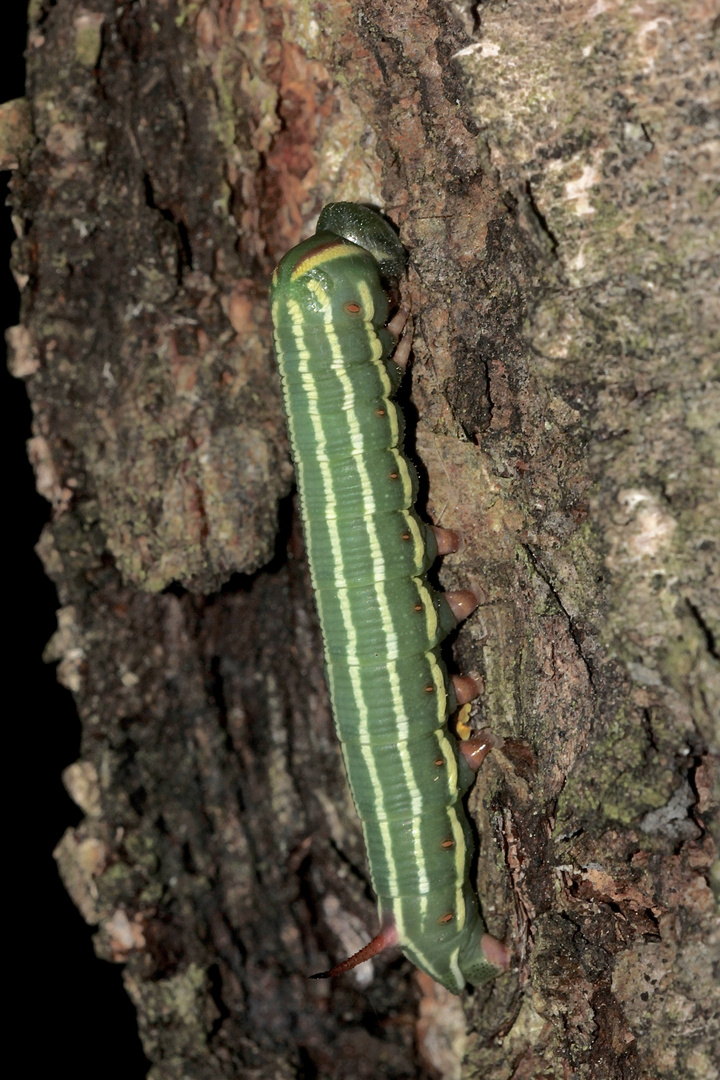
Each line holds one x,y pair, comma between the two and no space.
552,168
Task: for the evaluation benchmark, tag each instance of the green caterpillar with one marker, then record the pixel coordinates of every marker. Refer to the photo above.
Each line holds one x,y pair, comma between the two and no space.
381,622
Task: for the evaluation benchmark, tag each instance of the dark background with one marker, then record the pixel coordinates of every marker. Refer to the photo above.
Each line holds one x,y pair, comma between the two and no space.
73,1007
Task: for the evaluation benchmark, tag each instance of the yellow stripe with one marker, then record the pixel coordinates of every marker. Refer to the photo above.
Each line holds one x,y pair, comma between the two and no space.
431,617
460,979
416,534
447,751
422,959
403,472
317,258
392,414
439,684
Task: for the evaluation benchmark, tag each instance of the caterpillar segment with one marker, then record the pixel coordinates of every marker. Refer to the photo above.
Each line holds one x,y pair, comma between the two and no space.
382,623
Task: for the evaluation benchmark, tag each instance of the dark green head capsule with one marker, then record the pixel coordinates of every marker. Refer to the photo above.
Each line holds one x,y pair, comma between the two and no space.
365,227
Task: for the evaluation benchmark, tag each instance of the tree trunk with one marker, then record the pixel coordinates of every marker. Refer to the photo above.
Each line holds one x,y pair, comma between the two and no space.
551,169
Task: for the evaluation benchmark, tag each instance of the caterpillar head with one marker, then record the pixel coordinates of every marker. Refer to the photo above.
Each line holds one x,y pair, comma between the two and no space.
369,230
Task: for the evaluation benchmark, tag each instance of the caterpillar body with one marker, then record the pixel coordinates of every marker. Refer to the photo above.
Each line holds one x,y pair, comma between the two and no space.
381,621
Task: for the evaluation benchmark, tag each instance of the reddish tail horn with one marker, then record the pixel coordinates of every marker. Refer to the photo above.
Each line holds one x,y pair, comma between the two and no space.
386,938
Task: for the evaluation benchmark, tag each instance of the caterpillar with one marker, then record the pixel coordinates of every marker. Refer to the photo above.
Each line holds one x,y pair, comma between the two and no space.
381,621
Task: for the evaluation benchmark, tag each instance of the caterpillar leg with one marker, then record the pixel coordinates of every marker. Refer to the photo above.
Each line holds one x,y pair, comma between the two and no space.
401,323
496,952
398,321
473,746
476,748
484,957
462,603
466,689
448,541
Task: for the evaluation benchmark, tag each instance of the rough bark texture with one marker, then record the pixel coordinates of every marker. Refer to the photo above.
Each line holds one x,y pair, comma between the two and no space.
551,168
